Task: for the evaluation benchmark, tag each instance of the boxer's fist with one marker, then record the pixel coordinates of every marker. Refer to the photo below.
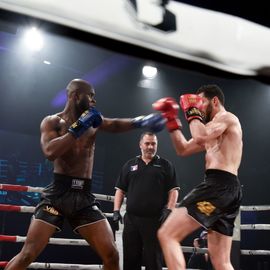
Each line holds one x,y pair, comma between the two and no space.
192,104
89,118
169,109
153,122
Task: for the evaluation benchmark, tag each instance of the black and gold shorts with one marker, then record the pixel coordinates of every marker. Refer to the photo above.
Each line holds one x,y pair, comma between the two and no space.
216,201
68,198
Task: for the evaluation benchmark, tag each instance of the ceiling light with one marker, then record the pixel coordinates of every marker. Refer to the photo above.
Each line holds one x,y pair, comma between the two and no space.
149,72
33,39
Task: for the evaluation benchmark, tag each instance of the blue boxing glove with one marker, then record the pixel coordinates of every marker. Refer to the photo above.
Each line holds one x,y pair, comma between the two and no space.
89,118
153,122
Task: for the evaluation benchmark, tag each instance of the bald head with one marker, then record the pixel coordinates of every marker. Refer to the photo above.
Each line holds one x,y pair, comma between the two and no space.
78,85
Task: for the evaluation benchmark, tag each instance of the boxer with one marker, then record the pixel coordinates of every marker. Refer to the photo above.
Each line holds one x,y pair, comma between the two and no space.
213,204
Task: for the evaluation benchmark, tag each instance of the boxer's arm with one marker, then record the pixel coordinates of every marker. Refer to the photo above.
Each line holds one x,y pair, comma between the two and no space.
152,122
182,146
116,124
172,198
52,144
203,133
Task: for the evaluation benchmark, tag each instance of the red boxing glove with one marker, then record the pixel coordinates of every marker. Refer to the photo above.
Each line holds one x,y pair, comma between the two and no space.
169,108
192,104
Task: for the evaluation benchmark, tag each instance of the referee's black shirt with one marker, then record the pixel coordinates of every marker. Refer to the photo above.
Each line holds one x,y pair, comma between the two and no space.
147,186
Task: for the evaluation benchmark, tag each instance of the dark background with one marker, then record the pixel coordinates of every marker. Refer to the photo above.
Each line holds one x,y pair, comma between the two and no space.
256,12
30,90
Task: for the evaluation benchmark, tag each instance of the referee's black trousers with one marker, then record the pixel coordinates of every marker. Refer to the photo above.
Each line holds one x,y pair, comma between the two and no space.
140,243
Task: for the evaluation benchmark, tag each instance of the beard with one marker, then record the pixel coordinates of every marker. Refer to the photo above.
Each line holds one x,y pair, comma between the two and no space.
149,153
82,106
208,113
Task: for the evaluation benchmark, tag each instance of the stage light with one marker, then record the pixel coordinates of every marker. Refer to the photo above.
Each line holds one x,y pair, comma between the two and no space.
149,72
33,39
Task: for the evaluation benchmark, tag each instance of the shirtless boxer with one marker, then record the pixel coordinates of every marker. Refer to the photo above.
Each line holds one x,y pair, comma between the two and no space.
213,204
68,139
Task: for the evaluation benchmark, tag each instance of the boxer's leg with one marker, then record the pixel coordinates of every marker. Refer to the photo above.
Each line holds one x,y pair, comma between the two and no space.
37,238
219,247
178,225
100,237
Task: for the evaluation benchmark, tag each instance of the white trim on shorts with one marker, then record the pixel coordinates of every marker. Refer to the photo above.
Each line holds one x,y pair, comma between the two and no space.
74,230
58,229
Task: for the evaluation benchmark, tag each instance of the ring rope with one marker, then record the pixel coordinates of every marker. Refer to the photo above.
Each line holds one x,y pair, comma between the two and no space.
8,187
63,241
29,209
255,252
38,265
255,208
81,242
20,188
17,208
78,242
103,197
53,241
255,226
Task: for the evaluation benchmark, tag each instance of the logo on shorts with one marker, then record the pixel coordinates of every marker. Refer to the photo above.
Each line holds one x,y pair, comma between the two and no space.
77,184
206,207
51,210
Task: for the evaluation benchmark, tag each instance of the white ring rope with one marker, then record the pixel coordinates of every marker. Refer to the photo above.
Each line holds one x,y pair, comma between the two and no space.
53,241
29,209
255,226
38,265
255,208
81,242
64,266
110,198
8,187
255,252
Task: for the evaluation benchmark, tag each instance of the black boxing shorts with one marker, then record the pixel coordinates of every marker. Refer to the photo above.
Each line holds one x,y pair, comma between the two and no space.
216,201
68,197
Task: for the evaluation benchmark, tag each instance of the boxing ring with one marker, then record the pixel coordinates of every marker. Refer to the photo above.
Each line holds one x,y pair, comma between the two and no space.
81,242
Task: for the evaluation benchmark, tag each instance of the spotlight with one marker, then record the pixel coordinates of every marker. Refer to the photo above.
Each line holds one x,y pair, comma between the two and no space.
33,39
149,72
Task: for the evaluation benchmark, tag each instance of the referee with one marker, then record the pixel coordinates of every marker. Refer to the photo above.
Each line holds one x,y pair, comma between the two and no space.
150,186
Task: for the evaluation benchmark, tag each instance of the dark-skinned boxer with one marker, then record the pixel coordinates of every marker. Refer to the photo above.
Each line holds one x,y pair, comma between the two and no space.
68,139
